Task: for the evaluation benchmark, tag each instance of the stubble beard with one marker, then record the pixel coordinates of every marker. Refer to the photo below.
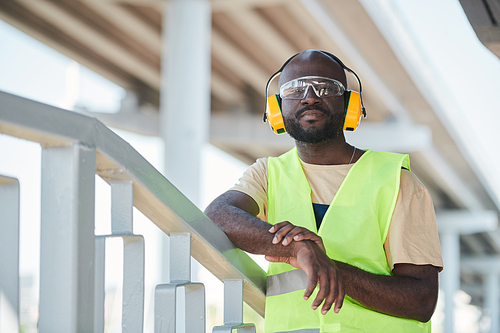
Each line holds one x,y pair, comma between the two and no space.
331,129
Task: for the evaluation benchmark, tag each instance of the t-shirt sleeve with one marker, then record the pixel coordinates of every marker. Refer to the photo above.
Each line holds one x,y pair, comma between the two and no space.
413,237
254,183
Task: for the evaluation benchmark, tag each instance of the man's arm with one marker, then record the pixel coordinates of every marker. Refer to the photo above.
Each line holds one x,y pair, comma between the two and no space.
235,213
411,292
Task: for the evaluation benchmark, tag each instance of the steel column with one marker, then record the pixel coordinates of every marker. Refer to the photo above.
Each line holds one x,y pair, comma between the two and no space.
492,300
450,277
489,266
452,224
9,255
185,94
67,239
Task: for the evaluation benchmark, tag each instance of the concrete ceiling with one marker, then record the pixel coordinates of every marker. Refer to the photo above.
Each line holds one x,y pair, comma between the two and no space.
121,40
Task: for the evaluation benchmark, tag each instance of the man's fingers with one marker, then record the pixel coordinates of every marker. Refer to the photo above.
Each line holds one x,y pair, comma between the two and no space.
278,226
308,235
324,291
290,236
311,284
281,233
285,232
279,229
340,297
332,295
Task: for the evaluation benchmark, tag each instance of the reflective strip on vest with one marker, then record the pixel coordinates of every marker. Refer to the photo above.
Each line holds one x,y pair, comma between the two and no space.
307,330
286,282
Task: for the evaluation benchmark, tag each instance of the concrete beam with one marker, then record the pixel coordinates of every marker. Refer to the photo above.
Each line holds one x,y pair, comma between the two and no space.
483,264
246,129
238,62
129,23
465,222
216,4
379,136
263,33
95,41
120,79
391,136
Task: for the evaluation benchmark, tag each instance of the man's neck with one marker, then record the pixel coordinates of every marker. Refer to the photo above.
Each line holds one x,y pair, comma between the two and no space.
325,153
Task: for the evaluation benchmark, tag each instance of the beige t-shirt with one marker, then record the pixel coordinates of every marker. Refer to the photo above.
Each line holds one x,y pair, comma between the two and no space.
412,237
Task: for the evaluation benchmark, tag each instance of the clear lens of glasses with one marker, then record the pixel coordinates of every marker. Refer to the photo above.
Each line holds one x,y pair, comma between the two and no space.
322,86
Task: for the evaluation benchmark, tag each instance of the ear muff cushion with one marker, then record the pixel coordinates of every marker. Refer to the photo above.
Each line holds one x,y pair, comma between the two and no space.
353,111
274,116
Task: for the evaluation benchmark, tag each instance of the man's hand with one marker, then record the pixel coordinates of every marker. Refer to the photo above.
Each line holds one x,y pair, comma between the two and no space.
286,232
321,271
319,268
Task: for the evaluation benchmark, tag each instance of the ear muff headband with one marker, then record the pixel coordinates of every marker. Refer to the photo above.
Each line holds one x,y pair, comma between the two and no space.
354,107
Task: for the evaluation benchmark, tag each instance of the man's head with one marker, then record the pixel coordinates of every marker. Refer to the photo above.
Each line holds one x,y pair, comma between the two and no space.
313,119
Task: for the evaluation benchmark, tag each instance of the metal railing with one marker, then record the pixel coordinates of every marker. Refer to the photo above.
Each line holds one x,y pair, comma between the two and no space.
75,148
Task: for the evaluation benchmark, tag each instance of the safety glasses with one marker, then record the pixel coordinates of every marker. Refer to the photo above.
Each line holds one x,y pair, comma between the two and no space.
322,86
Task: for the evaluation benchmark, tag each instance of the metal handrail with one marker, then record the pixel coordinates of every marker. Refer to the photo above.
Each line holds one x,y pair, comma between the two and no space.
154,195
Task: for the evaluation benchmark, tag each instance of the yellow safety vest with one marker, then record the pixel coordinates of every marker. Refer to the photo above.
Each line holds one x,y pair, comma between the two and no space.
353,230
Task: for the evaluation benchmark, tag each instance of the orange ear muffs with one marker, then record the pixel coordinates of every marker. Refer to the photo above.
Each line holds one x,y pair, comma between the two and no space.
353,111
274,115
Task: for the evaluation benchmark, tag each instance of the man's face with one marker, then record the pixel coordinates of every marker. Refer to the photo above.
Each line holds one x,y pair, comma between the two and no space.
313,119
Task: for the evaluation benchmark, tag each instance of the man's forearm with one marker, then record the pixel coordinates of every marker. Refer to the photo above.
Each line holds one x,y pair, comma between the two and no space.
235,213
246,231
400,296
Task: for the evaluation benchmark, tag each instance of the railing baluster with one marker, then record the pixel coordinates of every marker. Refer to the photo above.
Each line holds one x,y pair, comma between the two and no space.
233,309
122,201
180,304
133,284
67,239
99,283
9,255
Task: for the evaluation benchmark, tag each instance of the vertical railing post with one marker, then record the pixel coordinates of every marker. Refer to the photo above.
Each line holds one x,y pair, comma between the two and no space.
233,309
9,255
67,239
180,304
122,202
99,283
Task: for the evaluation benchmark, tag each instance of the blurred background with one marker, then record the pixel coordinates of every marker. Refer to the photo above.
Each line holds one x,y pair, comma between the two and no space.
187,92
